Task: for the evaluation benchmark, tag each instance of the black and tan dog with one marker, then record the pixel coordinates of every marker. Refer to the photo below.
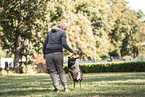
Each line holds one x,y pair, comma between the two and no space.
74,70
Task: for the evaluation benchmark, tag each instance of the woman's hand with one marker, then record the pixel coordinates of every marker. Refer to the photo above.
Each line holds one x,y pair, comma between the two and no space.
74,52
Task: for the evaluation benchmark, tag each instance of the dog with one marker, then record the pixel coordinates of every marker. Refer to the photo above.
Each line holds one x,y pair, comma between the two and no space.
74,70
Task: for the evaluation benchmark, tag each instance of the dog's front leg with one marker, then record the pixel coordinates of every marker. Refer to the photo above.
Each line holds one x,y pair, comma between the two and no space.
69,74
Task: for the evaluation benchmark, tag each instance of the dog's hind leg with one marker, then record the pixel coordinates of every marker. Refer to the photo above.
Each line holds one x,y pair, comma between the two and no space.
80,83
74,84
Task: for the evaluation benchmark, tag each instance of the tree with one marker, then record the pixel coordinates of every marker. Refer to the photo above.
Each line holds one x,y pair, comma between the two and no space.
97,12
81,35
19,26
126,28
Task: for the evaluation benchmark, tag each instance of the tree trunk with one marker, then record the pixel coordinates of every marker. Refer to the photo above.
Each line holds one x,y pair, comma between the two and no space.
17,53
18,41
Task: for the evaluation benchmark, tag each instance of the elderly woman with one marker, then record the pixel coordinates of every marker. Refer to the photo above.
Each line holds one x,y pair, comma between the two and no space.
53,54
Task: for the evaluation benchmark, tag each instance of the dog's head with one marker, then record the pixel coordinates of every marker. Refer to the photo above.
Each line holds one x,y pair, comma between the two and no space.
71,61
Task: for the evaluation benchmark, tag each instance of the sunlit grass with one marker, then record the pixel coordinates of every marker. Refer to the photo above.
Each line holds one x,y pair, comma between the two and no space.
94,84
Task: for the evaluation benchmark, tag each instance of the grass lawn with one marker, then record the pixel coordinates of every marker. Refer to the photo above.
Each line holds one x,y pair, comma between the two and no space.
94,85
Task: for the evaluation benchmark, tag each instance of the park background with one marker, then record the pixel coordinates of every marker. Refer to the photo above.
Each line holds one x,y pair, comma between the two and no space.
100,29
110,35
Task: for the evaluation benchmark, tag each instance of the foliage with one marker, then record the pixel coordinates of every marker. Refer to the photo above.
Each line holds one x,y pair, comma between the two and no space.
81,34
2,53
101,24
124,34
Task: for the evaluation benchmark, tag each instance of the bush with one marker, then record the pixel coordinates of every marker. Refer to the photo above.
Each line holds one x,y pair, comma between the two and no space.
7,72
29,69
112,67
0,71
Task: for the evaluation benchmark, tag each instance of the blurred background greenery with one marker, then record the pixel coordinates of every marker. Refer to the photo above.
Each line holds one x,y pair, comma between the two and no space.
101,29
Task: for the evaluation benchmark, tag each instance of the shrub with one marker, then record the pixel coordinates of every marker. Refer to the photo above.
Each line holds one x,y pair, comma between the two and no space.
112,67
29,69
0,71
7,72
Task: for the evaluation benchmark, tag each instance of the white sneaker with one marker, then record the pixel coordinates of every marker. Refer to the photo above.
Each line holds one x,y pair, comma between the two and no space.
66,90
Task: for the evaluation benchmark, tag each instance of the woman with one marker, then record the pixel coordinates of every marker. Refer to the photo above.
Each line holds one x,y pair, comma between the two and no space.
53,54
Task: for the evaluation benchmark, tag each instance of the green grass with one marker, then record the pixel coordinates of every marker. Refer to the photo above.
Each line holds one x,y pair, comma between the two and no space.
94,85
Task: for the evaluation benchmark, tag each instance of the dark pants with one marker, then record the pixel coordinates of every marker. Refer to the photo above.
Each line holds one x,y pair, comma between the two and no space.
54,62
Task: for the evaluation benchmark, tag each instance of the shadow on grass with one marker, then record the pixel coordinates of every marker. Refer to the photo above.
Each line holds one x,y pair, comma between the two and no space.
25,92
113,77
24,85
